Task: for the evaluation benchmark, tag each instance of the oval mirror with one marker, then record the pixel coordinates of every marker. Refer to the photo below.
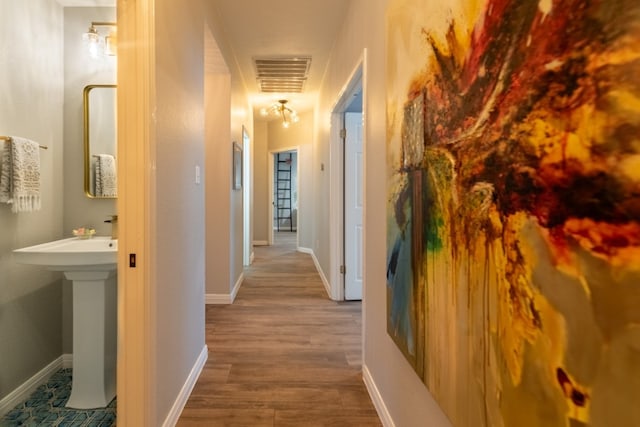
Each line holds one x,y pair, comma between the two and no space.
100,171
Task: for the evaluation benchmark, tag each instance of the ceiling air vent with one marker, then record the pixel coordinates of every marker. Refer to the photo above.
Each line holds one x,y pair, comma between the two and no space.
282,74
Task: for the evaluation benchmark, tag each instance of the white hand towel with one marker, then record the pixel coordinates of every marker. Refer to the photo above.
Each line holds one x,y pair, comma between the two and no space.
20,175
106,178
97,177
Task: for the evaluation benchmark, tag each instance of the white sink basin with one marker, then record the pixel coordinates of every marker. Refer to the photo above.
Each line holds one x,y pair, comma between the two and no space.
91,265
73,254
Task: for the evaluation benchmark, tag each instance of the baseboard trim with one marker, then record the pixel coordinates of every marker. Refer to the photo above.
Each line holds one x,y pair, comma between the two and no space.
236,287
22,392
217,299
187,388
260,243
225,298
325,282
67,360
376,398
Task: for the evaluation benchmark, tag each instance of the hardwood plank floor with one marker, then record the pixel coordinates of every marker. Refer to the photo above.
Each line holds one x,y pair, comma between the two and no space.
283,354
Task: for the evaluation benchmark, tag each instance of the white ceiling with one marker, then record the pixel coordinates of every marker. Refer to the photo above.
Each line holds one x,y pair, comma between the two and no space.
258,28
87,3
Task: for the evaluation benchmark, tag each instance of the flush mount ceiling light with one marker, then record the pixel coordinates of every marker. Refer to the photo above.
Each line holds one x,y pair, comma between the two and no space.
280,109
98,44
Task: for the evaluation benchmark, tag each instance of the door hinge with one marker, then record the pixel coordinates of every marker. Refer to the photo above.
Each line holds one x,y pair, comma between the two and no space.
343,133
343,269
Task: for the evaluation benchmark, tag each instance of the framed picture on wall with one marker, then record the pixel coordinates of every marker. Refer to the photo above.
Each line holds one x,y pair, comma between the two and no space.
237,166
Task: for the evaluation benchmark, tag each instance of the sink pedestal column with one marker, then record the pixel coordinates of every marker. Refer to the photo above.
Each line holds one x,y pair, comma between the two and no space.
94,338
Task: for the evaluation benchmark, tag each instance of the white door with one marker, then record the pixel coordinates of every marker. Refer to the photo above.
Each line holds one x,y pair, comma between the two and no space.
353,176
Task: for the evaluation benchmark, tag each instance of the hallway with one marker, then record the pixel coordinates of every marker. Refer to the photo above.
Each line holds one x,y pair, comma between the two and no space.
282,354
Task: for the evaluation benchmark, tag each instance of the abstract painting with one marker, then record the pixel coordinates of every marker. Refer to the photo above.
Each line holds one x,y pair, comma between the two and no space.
513,219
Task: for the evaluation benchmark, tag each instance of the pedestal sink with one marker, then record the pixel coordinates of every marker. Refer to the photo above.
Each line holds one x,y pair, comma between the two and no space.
91,265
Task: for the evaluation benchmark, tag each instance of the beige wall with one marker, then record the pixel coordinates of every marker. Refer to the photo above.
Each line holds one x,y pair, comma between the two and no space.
240,116
270,137
260,182
218,183
407,400
298,135
31,84
180,202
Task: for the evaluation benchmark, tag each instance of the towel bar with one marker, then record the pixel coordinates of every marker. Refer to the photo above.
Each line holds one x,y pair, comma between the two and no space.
8,139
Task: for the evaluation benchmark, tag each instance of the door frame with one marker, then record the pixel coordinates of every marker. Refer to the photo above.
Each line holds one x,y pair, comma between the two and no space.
247,199
357,80
271,173
137,308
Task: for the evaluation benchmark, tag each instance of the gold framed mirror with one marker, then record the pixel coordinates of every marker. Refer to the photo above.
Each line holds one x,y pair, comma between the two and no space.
100,142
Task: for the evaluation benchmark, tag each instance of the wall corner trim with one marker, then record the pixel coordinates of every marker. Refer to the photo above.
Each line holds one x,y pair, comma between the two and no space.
325,282
376,398
225,298
185,392
22,392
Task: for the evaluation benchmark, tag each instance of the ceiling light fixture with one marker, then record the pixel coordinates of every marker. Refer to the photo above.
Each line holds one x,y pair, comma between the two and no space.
280,109
98,44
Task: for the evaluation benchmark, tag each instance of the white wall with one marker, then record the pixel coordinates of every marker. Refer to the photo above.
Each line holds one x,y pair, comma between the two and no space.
31,84
405,397
180,202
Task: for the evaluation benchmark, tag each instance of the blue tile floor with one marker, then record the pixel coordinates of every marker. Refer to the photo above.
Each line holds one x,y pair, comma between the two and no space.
45,407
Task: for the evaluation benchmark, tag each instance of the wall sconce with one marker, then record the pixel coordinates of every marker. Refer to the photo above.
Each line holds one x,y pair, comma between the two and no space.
98,44
280,109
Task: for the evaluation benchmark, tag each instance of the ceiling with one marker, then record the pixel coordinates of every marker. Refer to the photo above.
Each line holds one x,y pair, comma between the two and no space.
87,3
274,29
282,28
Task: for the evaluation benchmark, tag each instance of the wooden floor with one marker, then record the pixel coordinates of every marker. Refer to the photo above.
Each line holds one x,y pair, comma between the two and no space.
283,354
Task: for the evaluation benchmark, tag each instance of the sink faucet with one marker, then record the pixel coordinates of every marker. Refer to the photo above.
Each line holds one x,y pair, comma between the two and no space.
114,226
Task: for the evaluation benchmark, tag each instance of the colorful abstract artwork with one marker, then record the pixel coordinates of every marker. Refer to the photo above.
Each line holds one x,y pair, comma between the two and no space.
513,220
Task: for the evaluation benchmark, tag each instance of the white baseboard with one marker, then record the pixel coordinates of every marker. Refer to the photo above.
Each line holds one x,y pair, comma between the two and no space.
225,298
67,360
325,282
22,392
185,392
376,398
260,243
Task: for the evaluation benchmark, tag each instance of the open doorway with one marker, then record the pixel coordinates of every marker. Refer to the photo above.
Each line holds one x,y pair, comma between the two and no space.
347,189
284,196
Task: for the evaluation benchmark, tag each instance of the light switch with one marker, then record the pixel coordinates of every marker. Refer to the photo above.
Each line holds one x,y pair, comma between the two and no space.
197,174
